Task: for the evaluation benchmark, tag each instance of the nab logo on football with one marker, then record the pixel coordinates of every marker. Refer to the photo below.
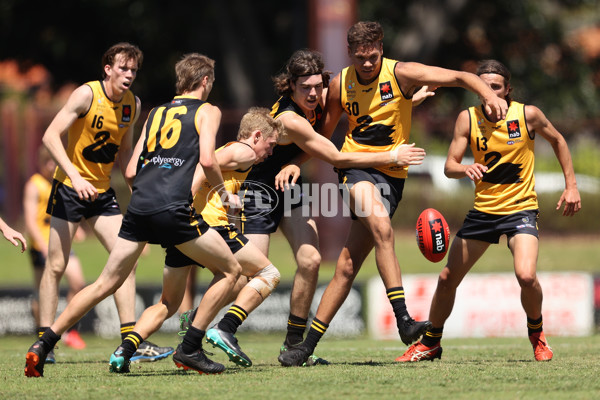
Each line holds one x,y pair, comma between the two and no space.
385,89
433,235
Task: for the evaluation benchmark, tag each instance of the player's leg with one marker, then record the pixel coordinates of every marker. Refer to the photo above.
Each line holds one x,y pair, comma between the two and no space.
76,282
210,250
264,278
59,248
119,265
187,303
524,248
151,320
106,228
358,245
463,254
367,204
301,233
374,211
260,240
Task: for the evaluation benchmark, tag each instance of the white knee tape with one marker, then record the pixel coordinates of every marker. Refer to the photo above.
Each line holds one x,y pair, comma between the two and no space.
265,281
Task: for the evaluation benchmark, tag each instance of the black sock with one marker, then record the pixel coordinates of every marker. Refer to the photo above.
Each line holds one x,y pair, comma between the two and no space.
295,330
41,330
315,333
49,340
396,297
131,343
534,325
192,341
126,329
232,319
432,337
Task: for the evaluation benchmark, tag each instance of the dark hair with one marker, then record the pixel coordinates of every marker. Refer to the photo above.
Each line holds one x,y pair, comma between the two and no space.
496,67
365,33
129,51
302,63
190,71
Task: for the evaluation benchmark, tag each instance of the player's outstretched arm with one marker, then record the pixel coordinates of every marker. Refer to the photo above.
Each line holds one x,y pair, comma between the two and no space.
301,132
538,123
412,75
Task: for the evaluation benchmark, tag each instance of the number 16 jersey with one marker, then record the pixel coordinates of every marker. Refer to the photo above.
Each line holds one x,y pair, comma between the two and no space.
169,157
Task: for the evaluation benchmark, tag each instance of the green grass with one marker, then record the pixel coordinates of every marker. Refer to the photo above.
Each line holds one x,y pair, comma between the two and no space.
361,369
570,253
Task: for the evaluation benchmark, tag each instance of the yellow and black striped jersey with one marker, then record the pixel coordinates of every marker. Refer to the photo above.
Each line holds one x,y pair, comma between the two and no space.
379,114
95,137
207,201
42,219
507,149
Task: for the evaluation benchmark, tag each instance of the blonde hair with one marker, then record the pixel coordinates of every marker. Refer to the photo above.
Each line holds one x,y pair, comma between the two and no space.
259,118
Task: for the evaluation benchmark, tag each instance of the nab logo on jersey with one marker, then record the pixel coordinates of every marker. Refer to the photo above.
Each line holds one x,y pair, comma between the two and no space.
126,113
385,89
513,129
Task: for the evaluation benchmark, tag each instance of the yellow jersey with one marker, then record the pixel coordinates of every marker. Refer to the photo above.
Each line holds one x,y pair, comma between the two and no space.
95,137
379,114
42,219
207,201
507,148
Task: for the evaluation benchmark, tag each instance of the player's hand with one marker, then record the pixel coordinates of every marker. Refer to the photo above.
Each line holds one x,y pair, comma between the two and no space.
232,202
15,238
408,154
422,94
495,107
282,179
572,202
84,189
475,171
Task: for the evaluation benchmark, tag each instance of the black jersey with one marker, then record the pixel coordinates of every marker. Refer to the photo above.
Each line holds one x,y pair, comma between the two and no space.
282,153
168,160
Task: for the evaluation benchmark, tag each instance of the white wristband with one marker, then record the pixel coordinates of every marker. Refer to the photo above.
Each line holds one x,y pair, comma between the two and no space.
394,156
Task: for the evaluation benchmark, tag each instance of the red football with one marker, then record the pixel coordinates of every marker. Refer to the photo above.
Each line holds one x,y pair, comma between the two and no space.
433,235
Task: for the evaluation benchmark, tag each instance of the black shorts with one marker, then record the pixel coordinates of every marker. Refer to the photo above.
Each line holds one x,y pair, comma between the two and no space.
173,226
390,188
38,260
263,206
234,239
489,227
64,203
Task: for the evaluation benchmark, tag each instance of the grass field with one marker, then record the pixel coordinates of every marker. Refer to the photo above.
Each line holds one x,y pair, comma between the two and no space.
360,369
492,368
565,253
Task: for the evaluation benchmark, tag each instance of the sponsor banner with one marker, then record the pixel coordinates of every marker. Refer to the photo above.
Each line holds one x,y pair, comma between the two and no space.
103,320
489,305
